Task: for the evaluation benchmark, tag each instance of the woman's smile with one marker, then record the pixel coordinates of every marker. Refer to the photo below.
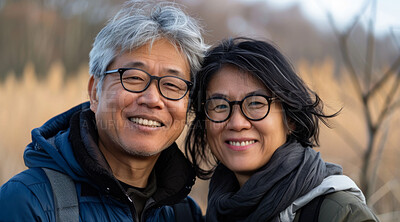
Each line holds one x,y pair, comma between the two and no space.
240,144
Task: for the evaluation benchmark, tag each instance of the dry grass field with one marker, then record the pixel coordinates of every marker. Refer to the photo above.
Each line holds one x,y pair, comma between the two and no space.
28,102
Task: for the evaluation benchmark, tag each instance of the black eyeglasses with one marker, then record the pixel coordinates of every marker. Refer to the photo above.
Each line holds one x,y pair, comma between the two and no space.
137,80
253,107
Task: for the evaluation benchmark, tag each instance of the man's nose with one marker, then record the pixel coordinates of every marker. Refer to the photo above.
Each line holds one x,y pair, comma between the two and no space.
151,97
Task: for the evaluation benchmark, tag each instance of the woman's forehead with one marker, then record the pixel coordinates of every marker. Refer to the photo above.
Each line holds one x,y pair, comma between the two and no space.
230,81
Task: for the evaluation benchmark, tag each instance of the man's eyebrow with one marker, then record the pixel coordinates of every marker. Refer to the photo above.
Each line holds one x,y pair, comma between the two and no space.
167,71
175,73
134,65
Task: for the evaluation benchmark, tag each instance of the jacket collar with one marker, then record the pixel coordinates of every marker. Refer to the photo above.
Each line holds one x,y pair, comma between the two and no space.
175,176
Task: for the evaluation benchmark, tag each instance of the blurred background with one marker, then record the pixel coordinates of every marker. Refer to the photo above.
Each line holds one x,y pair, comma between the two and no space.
347,51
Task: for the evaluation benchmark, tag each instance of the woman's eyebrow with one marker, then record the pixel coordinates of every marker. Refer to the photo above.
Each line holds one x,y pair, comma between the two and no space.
217,95
255,92
258,92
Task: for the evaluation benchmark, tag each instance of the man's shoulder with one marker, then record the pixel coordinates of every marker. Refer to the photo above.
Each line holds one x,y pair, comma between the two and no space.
27,193
344,206
29,177
32,182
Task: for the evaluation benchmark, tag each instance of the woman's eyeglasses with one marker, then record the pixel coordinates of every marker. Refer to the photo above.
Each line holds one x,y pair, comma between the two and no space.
253,107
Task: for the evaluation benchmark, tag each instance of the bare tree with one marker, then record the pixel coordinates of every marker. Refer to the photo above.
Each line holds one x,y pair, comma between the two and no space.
367,84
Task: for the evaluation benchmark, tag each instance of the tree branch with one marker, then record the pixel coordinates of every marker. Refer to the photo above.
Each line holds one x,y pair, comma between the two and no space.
332,24
349,65
394,107
357,17
388,101
394,37
378,160
384,79
369,56
343,37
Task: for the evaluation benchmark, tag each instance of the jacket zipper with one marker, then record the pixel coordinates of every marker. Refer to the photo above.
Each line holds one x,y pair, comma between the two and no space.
150,202
132,208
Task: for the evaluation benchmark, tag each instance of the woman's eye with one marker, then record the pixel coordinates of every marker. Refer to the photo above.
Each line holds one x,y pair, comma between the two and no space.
256,105
221,108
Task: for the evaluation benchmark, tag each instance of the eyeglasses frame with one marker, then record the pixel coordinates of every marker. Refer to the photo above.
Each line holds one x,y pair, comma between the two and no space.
240,102
122,70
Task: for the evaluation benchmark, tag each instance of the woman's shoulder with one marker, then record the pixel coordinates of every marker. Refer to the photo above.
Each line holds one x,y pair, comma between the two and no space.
344,206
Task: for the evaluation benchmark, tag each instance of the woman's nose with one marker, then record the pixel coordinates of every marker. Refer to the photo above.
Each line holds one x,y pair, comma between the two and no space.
238,121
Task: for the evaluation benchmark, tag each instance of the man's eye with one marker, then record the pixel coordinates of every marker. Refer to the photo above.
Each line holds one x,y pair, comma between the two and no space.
172,86
133,79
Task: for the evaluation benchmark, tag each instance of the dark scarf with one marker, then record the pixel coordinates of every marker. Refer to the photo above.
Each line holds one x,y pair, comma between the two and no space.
291,172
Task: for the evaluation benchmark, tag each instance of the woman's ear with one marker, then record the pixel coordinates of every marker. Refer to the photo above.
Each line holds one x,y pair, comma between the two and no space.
289,124
291,127
92,91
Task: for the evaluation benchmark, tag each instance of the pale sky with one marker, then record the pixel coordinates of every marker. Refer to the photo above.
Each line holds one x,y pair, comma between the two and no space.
387,15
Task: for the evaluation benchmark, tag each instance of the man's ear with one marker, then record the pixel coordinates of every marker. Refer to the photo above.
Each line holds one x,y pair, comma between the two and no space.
92,91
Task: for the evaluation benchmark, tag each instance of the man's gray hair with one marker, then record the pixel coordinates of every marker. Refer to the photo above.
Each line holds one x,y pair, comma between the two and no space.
142,22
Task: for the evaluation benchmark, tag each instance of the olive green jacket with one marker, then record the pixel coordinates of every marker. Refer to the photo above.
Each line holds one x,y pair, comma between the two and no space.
343,201
343,206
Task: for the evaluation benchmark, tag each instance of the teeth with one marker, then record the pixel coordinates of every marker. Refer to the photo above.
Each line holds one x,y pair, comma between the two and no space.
243,143
146,122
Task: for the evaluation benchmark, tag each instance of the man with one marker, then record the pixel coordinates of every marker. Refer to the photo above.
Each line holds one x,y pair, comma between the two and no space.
119,149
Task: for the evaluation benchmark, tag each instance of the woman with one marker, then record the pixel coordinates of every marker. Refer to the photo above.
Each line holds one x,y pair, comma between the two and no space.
260,120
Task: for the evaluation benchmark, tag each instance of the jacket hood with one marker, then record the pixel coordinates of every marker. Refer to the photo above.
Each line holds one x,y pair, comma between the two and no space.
51,148
330,184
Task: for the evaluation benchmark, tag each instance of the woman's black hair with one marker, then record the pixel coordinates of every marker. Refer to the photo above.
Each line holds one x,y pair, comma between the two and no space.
302,107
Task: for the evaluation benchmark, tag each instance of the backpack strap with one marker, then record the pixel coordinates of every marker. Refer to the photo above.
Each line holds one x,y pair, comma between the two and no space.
65,197
183,212
310,212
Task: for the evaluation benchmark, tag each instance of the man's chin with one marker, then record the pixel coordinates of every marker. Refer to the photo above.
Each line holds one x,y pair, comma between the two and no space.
143,153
